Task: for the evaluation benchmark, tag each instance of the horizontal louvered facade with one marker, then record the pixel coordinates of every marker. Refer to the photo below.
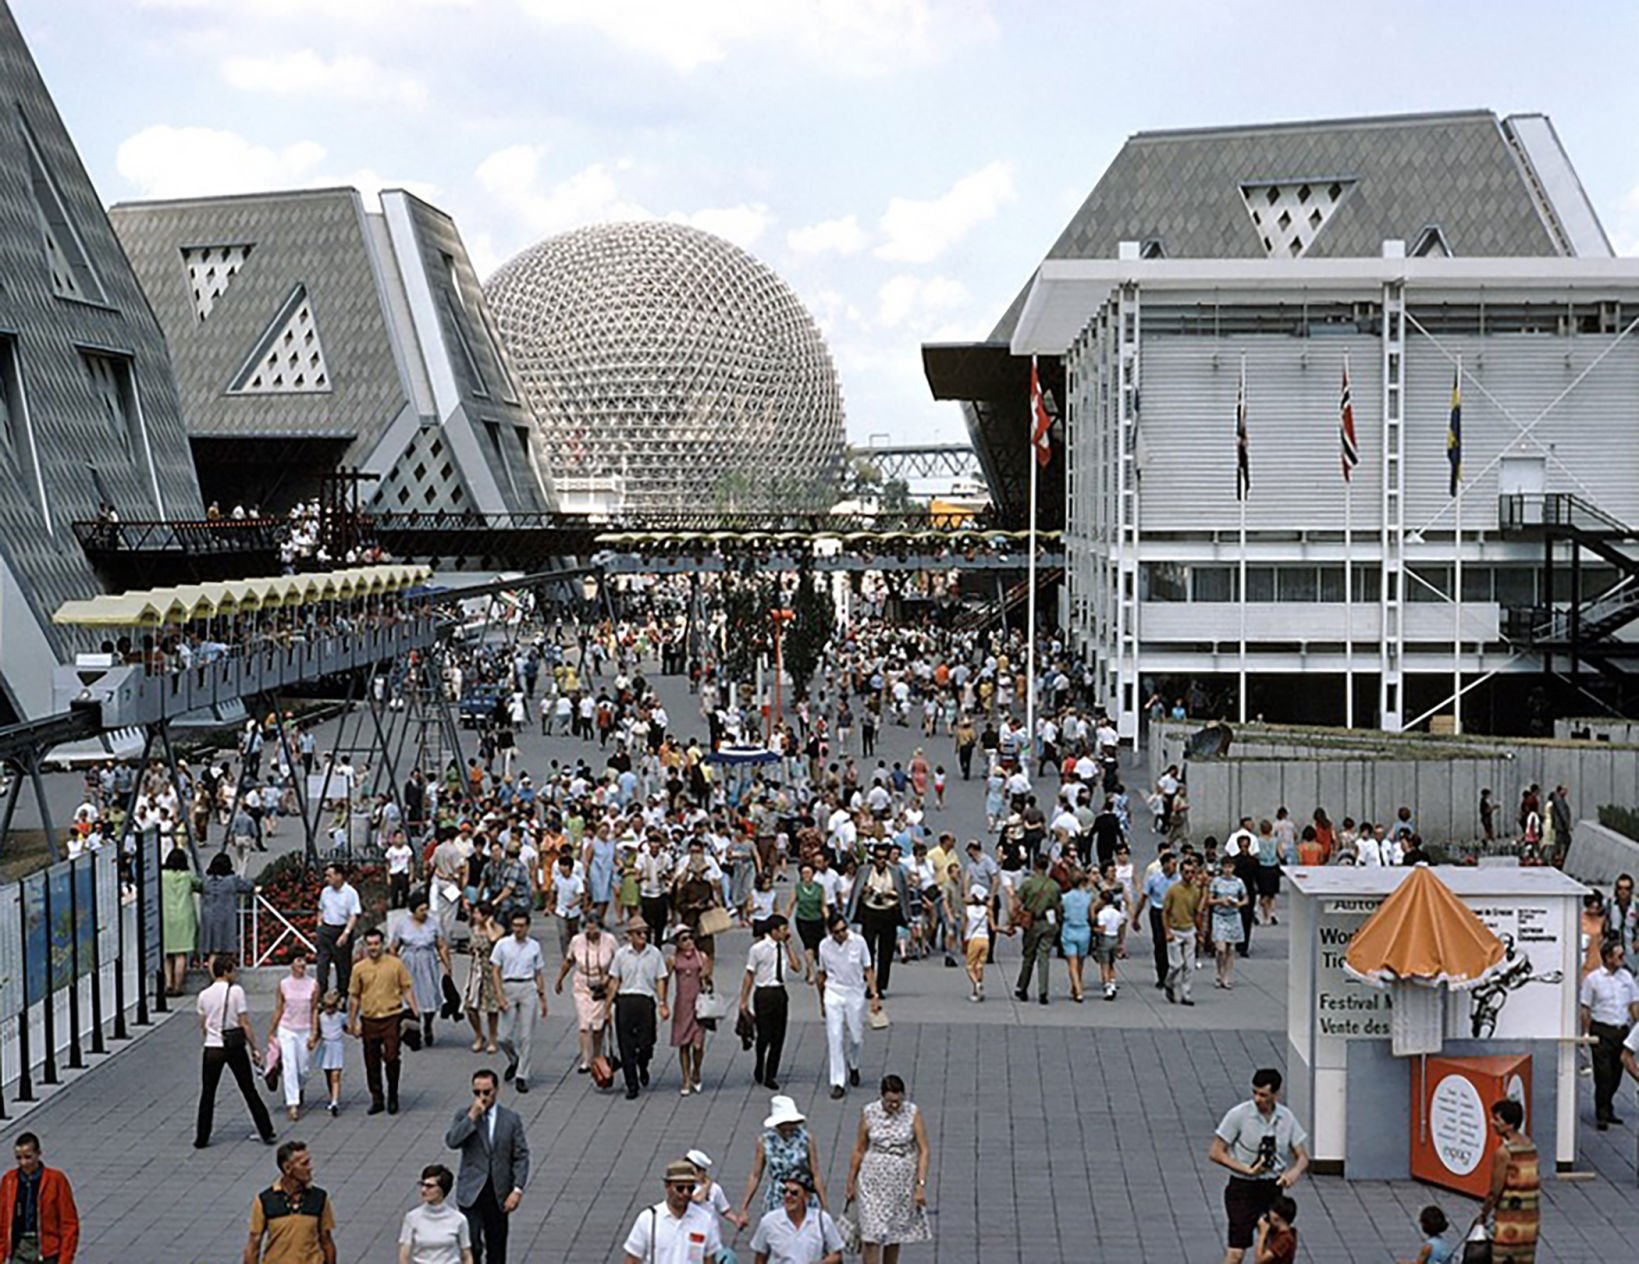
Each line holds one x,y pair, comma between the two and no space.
1157,559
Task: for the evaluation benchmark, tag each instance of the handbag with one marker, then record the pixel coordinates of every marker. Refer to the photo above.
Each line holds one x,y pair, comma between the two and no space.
715,921
603,1071
848,1230
712,1005
270,1063
234,1039
876,1019
1477,1246
745,1027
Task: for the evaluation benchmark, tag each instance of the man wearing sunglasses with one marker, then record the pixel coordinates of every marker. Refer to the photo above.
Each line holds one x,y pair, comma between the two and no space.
796,1233
678,1230
494,1166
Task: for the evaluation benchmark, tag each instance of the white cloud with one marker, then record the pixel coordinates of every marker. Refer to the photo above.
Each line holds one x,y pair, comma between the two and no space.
305,73
742,224
163,161
844,36
170,162
841,236
917,301
920,231
512,177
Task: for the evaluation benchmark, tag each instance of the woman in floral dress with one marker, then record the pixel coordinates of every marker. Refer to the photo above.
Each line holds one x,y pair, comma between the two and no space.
888,1175
480,997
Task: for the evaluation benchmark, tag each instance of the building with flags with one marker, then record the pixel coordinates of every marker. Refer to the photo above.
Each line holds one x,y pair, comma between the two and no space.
1487,346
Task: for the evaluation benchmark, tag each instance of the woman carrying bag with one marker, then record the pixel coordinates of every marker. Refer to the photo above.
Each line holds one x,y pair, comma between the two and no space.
229,1042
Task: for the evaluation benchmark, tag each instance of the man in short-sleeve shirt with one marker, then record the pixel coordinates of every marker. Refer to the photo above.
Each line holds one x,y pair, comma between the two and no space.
291,1223
641,974
1266,1151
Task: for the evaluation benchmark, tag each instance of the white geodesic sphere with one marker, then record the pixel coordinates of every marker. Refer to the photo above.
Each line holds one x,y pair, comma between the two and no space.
664,354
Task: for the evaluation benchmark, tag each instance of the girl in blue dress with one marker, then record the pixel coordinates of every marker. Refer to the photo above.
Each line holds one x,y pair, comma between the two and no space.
599,859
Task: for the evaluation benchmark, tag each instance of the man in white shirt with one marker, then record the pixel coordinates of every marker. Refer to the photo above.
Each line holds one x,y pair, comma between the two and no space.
519,968
1609,1004
796,1233
1243,842
339,912
568,897
845,979
1369,850
678,1230
763,996
641,973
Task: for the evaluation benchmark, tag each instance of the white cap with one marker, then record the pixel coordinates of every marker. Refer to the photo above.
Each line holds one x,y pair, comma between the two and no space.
699,1158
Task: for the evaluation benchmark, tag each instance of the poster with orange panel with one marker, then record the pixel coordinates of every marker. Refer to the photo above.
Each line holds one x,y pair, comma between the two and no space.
1451,1134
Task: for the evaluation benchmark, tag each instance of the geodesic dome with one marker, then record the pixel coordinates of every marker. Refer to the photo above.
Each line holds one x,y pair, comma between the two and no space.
673,359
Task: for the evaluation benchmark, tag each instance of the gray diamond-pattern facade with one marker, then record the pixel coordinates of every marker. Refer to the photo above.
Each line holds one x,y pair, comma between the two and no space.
669,357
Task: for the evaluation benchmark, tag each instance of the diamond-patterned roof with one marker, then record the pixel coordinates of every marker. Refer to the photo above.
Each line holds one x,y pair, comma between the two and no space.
1184,189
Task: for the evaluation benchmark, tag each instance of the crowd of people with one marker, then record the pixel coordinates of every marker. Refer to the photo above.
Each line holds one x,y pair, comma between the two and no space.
510,880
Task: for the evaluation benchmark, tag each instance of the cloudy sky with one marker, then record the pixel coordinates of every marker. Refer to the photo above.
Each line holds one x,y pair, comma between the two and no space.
902,163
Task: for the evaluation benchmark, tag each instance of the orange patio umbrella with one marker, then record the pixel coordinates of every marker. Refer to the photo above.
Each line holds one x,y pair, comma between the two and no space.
1423,933
1420,938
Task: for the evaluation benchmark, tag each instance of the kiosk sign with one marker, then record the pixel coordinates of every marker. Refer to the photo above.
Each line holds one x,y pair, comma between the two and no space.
1345,1008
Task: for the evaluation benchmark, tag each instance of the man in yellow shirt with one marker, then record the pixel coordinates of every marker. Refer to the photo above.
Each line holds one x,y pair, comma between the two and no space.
1180,909
379,994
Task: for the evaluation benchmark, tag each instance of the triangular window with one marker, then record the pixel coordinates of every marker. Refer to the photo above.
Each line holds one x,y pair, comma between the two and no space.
289,359
1431,244
475,379
71,273
1289,214
210,268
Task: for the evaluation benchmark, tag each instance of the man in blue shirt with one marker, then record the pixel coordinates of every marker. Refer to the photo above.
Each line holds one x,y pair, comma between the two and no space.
1156,884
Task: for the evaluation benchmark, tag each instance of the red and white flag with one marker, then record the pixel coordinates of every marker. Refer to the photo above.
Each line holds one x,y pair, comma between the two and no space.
1350,452
1040,422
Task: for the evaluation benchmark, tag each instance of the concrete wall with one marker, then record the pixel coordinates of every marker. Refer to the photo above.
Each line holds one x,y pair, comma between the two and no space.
1598,854
1368,775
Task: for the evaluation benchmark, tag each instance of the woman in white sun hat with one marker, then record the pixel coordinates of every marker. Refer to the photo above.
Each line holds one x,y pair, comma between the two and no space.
785,1148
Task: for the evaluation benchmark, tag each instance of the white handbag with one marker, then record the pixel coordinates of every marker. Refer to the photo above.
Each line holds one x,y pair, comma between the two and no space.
711,1005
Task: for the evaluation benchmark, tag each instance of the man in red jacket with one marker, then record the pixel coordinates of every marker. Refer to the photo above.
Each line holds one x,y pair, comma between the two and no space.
38,1220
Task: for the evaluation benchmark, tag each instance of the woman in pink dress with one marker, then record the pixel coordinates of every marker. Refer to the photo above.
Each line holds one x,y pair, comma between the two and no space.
691,974
918,769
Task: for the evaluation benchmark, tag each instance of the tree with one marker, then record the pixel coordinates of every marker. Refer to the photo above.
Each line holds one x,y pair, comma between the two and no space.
747,599
803,646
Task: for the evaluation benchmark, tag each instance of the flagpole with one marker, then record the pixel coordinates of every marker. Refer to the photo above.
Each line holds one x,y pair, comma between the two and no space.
1348,603
1242,493
1346,450
1030,599
1457,576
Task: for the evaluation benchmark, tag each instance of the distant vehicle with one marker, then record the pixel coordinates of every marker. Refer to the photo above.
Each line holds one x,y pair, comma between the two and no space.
479,703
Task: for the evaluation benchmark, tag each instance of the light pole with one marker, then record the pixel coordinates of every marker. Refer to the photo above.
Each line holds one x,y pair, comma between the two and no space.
779,617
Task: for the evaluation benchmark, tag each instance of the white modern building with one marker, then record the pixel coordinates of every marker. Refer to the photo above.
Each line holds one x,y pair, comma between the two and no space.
1381,600
1399,246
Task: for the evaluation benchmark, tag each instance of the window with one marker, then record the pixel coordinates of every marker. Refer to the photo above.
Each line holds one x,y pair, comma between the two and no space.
13,426
1368,583
1297,583
1260,583
113,385
289,359
1214,583
210,269
1428,583
1517,585
1331,584
1166,581
71,273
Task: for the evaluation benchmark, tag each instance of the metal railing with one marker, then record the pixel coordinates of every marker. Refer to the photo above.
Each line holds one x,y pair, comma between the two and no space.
1557,509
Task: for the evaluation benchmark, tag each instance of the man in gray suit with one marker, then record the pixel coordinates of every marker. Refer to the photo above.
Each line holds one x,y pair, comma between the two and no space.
494,1166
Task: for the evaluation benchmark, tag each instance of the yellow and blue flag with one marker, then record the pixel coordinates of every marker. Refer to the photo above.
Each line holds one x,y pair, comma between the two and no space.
1454,432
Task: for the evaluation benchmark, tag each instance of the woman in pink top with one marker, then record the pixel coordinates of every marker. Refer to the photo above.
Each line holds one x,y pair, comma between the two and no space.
294,1010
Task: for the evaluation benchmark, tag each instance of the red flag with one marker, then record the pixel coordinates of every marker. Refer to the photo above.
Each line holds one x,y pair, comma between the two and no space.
1041,422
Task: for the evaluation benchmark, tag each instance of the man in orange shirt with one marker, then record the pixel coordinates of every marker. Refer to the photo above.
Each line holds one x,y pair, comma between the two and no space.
38,1219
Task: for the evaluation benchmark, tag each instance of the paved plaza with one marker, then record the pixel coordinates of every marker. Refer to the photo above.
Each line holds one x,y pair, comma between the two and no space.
1071,1132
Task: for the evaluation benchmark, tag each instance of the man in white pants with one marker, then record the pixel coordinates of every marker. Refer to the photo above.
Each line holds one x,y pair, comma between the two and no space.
519,969
845,979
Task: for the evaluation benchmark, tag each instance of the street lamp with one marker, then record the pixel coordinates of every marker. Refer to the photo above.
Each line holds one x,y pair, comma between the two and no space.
779,617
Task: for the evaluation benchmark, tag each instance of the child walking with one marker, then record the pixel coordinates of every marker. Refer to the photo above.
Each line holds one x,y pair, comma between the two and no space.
979,924
1110,921
939,787
328,1040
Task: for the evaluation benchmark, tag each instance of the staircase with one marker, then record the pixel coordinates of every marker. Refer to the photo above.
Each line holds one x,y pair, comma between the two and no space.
992,611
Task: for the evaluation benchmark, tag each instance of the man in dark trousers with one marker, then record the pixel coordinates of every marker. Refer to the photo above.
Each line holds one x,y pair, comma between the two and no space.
494,1166
1150,897
764,988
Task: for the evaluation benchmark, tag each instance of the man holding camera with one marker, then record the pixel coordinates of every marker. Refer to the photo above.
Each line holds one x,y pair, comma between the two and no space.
1266,1151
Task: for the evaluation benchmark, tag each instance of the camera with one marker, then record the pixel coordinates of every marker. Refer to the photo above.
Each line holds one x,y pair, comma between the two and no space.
1267,1158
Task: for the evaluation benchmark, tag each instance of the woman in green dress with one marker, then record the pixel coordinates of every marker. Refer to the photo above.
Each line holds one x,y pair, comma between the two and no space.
179,917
